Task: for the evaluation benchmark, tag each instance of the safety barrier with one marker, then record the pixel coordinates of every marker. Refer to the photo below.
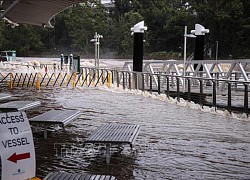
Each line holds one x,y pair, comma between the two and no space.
191,88
39,80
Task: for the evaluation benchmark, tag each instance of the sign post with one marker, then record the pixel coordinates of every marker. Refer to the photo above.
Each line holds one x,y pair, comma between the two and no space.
16,147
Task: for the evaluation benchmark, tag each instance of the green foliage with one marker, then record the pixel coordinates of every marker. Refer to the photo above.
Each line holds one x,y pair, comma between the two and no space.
24,39
228,21
164,55
83,21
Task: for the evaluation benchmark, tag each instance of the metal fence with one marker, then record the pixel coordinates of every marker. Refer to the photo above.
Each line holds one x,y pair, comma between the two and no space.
190,88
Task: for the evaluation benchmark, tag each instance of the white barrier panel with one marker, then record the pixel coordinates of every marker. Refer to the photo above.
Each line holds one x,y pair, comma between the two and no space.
16,147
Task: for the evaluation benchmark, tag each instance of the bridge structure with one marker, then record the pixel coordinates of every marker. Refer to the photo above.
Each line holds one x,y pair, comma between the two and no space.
237,70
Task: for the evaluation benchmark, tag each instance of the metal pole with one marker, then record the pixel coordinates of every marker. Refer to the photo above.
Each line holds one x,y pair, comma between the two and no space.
184,58
95,49
98,50
246,99
217,48
159,84
229,97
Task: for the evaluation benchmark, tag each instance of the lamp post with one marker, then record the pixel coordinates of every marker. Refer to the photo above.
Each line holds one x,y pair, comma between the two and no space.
96,41
185,54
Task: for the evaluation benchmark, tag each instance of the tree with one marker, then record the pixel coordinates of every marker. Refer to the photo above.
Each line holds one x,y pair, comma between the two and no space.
24,39
83,21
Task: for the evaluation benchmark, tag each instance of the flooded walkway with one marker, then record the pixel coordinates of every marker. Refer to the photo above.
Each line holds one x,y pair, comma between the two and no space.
174,143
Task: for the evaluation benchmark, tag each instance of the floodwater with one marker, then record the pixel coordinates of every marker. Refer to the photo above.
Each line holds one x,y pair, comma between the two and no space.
175,142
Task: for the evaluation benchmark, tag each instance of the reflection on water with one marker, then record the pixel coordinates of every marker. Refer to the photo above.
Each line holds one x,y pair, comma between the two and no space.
174,143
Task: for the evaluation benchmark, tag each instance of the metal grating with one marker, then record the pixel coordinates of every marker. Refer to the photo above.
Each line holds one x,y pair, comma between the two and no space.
56,117
115,134
67,176
4,96
19,105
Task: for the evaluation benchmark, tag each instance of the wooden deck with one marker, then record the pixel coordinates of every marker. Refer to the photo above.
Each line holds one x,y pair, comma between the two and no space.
68,176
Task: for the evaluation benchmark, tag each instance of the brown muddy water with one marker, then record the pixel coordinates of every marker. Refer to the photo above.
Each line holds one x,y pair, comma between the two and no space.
174,142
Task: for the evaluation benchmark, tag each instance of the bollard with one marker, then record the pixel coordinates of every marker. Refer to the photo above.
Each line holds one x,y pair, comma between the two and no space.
138,32
199,32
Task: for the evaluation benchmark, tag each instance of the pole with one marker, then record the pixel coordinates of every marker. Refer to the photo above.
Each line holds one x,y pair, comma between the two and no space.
98,50
184,59
217,48
95,49
138,32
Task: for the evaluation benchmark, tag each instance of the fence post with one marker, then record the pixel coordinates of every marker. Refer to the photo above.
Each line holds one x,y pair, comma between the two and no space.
123,80
214,94
74,80
246,99
11,85
38,85
201,91
117,78
229,97
189,90
159,84
142,85
151,83
168,87
109,79
178,88
129,79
